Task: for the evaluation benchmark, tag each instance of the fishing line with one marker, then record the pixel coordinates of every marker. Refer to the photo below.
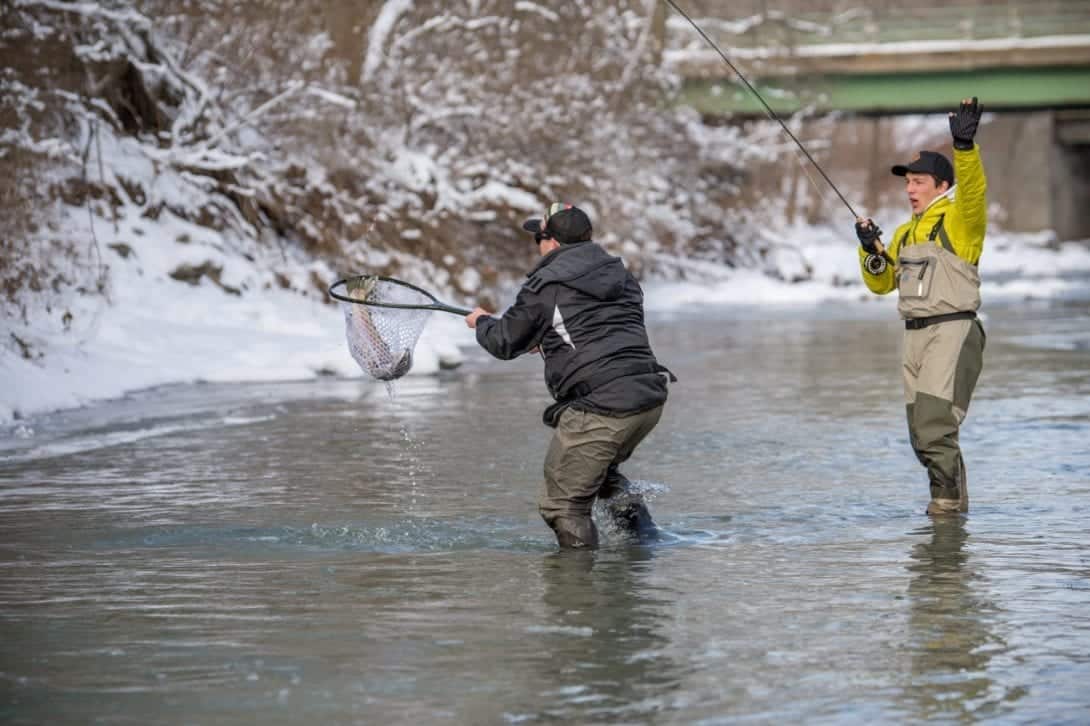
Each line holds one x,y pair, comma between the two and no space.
768,109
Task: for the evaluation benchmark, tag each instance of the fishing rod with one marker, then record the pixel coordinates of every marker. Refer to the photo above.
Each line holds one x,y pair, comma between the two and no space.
774,116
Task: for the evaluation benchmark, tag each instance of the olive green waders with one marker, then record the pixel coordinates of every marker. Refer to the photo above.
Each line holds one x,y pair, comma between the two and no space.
941,365
939,294
581,465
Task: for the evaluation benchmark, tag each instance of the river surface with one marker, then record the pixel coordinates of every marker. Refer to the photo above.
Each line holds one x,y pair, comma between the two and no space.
326,552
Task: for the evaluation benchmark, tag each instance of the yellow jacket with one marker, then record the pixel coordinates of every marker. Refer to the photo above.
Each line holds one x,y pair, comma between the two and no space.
964,211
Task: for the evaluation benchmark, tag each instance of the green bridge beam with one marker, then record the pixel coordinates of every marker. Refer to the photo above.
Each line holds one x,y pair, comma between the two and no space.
1008,88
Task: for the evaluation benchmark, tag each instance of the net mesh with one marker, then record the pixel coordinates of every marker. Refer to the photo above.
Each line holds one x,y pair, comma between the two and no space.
382,339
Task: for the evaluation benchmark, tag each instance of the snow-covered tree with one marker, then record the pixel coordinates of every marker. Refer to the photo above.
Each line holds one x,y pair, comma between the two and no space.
408,136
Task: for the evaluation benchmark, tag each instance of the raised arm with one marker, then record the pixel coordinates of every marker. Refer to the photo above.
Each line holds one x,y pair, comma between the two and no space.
971,200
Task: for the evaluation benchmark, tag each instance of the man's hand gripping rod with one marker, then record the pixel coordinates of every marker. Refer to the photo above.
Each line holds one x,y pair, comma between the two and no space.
876,263
870,237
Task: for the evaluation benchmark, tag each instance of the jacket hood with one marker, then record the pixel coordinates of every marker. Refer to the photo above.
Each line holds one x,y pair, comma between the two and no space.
586,267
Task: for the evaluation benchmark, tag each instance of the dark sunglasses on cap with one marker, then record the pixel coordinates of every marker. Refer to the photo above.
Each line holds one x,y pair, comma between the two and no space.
555,207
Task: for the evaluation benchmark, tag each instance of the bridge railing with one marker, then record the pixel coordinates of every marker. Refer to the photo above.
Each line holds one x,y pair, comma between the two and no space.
882,21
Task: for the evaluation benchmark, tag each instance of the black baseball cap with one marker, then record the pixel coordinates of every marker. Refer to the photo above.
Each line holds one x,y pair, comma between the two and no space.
563,222
928,162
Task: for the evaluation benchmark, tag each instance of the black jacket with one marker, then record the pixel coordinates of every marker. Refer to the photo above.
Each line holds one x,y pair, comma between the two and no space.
585,311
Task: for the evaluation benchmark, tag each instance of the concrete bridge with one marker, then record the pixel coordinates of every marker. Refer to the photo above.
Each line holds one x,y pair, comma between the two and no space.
887,58
1029,59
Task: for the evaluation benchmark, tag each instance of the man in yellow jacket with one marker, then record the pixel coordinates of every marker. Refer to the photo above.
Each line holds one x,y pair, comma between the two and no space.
932,262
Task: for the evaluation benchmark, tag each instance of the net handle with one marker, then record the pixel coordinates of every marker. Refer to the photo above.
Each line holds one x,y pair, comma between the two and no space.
435,304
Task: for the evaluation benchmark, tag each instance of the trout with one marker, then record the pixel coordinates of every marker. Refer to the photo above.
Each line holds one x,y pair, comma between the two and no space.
383,364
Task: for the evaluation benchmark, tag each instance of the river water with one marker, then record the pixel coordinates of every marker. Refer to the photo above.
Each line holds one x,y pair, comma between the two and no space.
326,551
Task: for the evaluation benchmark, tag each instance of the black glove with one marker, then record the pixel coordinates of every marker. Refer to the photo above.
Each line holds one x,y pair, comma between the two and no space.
868,233
963,124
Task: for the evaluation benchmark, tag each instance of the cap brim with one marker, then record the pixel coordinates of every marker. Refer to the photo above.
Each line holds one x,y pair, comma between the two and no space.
915,167
532,225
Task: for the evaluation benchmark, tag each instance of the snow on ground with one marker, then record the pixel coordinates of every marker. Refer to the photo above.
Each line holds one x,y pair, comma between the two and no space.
156,330
160,332
256,324
152,330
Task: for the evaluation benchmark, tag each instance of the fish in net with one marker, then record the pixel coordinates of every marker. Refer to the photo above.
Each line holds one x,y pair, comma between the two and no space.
382,339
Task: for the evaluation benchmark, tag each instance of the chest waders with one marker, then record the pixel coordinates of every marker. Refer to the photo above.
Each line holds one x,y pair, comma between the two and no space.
939,294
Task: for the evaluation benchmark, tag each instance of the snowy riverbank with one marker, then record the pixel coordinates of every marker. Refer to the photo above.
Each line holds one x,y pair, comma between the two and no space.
155,330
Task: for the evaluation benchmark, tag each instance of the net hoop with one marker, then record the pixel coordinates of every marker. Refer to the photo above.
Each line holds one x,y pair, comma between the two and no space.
434,305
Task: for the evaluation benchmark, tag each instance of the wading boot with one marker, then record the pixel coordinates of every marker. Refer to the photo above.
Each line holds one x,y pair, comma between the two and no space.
626,508
944,506
634,518
574,533
950,499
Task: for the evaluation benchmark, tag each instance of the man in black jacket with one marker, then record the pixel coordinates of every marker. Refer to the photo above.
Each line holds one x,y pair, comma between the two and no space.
583,311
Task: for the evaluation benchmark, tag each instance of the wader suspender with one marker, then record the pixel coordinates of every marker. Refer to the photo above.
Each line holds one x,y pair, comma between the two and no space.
940,231
937,231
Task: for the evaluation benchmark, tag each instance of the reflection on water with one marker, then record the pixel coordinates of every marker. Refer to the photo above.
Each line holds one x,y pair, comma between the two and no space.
602,639
281,553
949,618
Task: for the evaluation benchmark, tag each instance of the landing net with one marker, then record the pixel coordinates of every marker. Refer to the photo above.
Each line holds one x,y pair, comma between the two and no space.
382,339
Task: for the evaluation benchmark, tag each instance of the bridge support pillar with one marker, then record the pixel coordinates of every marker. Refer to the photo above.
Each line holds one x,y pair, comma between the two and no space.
1071,174
1038,166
